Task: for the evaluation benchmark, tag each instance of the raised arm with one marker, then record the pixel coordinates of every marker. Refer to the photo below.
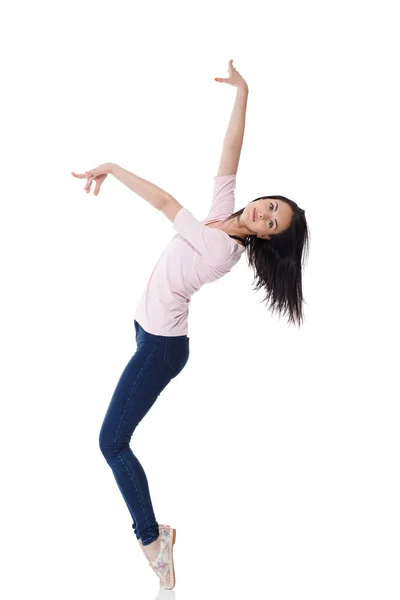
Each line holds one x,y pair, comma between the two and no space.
234,136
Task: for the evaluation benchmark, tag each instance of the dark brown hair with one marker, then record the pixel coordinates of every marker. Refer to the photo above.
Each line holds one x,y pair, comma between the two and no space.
278,262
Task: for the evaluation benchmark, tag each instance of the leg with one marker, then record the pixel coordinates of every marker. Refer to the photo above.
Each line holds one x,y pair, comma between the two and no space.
145,376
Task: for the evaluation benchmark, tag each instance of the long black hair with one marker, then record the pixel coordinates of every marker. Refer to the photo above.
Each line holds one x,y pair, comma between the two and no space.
278,262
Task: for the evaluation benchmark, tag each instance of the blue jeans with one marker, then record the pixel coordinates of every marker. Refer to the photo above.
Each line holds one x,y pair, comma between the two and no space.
157,360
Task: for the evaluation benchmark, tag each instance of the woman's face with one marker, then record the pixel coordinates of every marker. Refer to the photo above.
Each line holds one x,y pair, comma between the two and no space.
271,216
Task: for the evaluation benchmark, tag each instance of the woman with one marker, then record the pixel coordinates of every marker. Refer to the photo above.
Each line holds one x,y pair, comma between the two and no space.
274,232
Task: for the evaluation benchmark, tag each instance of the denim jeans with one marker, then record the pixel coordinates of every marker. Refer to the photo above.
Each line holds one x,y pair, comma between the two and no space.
157,360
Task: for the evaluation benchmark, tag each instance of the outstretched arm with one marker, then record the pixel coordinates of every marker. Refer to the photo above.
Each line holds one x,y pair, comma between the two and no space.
234,136
156,196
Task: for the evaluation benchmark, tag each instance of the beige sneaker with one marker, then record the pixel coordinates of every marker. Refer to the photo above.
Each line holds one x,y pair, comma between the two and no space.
163,565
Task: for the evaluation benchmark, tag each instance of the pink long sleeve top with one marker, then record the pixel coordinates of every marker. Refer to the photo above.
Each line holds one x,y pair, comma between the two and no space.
195,255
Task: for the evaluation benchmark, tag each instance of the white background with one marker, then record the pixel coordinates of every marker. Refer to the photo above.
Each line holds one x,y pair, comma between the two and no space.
275,453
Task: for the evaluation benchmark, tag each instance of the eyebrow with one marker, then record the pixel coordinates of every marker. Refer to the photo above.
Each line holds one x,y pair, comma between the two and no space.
276,208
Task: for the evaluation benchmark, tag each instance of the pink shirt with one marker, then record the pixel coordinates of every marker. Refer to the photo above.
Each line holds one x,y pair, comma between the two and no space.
196,255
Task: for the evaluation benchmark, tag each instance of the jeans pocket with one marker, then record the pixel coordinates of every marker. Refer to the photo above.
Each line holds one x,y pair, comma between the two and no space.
176,352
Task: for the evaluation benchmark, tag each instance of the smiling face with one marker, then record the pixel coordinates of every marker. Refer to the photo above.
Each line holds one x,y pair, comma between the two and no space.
271,216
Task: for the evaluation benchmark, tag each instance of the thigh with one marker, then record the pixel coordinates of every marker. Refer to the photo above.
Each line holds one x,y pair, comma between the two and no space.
140,384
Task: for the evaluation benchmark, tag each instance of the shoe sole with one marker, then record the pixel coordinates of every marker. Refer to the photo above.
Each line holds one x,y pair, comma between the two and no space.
172,557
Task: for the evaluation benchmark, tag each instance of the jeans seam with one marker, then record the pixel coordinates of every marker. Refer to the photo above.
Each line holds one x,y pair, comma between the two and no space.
165,349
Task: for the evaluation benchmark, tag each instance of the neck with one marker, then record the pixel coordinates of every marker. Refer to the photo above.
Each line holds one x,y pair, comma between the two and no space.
235,227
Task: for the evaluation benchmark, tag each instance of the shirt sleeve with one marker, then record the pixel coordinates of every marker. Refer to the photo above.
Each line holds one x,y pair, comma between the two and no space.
211,243
223,200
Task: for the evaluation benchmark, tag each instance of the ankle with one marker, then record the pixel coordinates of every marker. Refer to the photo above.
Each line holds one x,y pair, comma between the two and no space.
152,550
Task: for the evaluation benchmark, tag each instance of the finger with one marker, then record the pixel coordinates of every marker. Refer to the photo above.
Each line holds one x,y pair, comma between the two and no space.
97,188
89,181
77,175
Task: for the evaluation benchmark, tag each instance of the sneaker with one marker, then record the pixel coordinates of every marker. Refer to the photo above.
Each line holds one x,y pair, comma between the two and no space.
163,565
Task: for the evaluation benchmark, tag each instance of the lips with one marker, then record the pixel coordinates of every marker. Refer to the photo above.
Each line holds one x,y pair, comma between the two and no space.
254,214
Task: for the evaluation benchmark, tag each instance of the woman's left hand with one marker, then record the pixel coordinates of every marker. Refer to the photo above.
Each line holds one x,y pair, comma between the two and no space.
234,78
98,175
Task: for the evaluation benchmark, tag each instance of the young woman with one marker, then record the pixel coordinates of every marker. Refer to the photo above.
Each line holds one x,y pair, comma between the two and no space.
272,229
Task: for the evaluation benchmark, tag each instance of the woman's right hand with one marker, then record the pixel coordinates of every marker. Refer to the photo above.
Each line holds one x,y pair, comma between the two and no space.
98,175
234,78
